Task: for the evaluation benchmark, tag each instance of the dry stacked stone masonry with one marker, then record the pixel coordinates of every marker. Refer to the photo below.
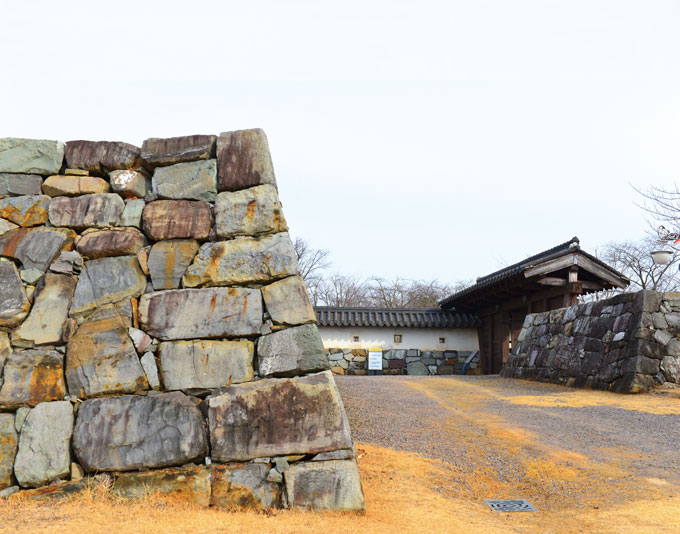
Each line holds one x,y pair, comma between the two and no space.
154,330
406,362
628,344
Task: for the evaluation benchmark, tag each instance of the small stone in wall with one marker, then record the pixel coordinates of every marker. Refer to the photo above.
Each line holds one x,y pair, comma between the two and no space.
9,440
25,211
16,185
287,302
177,219
130,183
330,485
188,484
14,303
87,211
132,214
171,150
243,160
196,180
249,212
168,261
236,487
95,243
71,186
292,352
31,377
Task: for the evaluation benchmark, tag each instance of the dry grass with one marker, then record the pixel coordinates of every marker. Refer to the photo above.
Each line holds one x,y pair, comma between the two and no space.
405,494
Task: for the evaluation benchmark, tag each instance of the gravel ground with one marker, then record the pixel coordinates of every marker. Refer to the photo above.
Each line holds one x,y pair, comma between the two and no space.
462,421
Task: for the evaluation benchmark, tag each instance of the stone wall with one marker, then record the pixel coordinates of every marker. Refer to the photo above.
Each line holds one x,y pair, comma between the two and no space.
154,329
405,362
629,343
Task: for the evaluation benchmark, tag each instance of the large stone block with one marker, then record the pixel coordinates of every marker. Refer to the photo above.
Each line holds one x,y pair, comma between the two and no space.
101,358
36,248
157,152
107,280
196,180
177,219
16,185
45,323
33,156
205,363
168,260
189,484
9,440
290,352
26,211
86,211
243,160
287,302
14,303
202,313
277,417
331,485
249,212
133,432
130,183
110,242
242,261
31,377
44,451
240,486
71,186
100,157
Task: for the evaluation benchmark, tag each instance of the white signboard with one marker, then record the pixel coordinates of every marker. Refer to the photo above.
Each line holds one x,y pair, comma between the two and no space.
375,360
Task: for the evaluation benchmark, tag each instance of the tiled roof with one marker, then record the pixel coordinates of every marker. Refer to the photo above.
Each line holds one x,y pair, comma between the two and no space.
394,317
573,245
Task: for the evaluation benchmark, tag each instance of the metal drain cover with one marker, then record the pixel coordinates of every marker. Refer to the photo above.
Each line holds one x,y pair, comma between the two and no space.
510,505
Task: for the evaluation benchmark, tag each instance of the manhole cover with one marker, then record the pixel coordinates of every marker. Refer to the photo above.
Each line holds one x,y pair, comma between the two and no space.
510,505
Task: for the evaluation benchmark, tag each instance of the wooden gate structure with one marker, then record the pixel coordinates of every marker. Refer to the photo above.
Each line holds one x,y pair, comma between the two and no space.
546,281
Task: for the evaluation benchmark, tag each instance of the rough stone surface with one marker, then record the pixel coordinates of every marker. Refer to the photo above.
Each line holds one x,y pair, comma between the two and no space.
243,160
190,484
107,280
287,302
249,212
101,358
168,151
168,260
70,262
5,350
130,183
25,211
36,248
196,180
417,368
45,323
16,185
132,214
20,416
31,377
290,352
332,485
31,156
110,242
133,432
6,226
235,487
9,440
205,363
151,370
44,452
87,211
56,186
101,157
242,261
204,313
14,304
177,219
274,417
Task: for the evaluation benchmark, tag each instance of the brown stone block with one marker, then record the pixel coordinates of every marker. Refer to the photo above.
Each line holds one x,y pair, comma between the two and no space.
243,160
397,364
31,377
71,186
244,486
189,484
100,157
160,152
110,242
177,219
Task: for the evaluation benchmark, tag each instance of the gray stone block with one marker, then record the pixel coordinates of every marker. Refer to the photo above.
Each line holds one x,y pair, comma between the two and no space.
31,156
196,180
331,485
292,352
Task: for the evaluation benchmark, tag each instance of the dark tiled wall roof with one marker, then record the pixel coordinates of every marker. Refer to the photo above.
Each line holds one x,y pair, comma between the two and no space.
395,317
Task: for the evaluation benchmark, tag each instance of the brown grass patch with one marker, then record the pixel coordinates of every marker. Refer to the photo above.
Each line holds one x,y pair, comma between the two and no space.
405,494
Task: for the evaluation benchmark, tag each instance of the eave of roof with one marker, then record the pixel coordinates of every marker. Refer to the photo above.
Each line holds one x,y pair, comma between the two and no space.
516,269
394,317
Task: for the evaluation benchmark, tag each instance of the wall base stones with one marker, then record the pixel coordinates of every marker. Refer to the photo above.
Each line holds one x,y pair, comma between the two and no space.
627,344
175,349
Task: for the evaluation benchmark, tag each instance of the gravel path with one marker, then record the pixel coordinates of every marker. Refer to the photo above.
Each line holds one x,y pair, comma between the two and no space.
469,423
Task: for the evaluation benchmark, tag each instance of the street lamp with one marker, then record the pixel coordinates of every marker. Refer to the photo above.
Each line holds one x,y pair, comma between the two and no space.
667,240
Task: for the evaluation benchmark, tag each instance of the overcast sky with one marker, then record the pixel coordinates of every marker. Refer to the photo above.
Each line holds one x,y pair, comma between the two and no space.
422,139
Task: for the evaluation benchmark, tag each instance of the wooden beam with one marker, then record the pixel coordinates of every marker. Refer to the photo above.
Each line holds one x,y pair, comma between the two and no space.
552,281
599,271
592,285
553,265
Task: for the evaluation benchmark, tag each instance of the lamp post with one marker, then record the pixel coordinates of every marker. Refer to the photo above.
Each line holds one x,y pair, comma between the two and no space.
667,240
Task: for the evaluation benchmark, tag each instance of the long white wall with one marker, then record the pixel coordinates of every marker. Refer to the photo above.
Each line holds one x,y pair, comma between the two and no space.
412,338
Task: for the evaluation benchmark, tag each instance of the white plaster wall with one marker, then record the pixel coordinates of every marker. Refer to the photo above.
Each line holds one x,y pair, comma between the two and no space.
412,338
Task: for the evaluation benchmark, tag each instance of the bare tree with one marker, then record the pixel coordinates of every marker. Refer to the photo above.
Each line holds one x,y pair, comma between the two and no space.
312,262
662,204
343,290
404,293
634,260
